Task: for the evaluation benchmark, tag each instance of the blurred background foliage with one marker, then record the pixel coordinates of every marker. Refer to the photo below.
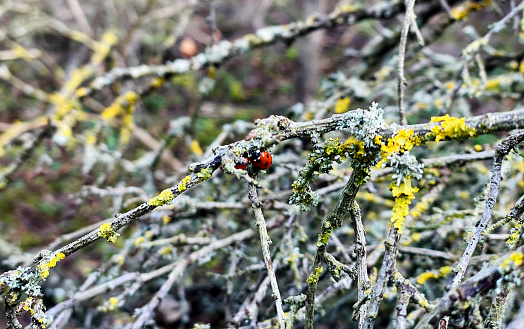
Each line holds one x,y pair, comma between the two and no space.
66,184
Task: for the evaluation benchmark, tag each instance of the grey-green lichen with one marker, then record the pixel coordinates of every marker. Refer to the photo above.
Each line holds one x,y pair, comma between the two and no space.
361,147
22,291
405,166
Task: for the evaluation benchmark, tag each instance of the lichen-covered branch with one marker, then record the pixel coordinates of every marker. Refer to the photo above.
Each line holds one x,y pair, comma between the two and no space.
408,18
502,150
265,241
508,269
224,50
329,224
362,267
275,129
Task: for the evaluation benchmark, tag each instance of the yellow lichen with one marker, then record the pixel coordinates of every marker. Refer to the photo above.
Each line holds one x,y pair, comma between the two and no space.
424,303
120,260
452,128
342,105
45,267
157,82
421,207
90,139
27,304
400,211
205,174
348,8
368,196
161,199
313,277
423,277
81,92
79,36
103,48
182,186
123,107
138,241
442,272
404,188
21,52
166,250
166,219
403,195
113,301
402,141
112,111
493,84
106,231
78,76
445,270
462,11
355,148
195,148
515,258
131,97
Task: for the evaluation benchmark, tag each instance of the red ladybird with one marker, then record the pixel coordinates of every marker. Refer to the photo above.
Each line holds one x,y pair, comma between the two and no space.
262,161
240,166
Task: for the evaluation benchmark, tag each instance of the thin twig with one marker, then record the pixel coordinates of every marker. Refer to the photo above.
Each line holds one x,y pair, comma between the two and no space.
265,241
144,277
446,6
428,253
402,308
482,283
401,57
80,17
227,49
514,214
147,312
211,19
502,149
387,269
362,269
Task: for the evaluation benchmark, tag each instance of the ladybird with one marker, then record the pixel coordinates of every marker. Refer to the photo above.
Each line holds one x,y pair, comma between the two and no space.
262,161
240,166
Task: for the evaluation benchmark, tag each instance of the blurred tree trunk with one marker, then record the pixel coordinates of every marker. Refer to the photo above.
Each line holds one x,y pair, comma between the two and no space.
309,55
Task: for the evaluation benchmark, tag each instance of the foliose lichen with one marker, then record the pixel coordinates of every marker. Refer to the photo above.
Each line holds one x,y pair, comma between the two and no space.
405,165
106,231
182,186
452,128
314,277
362,148
165,197
45,266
